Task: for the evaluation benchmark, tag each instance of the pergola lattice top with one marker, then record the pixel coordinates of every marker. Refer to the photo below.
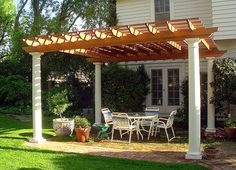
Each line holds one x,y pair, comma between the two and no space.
147,41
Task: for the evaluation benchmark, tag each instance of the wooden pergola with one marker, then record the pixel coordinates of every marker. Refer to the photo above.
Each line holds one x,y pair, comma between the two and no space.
147,41
174,39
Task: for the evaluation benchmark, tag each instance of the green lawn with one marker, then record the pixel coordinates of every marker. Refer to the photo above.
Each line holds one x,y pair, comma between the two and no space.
14,155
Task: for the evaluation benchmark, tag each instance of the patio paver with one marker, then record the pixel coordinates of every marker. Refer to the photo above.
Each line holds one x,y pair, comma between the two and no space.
223,162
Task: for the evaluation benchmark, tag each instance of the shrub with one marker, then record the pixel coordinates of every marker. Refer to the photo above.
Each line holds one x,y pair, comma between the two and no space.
81,122
183,111
123,89
224,84
15,90
58,100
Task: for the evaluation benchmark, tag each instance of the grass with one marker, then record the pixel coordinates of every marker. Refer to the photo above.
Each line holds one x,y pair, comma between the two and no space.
15,155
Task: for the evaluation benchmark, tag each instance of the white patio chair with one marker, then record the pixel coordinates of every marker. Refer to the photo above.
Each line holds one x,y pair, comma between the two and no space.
150,123
166,124
122,122
107,115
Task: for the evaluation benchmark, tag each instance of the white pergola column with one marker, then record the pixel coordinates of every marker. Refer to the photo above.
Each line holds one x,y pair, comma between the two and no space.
210,107
98,96
36,98
194,100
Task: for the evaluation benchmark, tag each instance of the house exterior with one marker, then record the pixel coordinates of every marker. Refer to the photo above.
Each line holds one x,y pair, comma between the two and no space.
167,75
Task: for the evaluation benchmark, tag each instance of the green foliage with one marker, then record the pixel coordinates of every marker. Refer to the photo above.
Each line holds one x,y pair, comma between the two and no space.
224,84
7,16
230,123
15,89
183,111
81,122
99,13
58,100
123,89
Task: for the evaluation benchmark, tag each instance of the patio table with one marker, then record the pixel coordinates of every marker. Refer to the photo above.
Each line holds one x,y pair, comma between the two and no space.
138,118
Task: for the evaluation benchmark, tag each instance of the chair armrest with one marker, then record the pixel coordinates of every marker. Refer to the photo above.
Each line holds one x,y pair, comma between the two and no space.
161,122
163,119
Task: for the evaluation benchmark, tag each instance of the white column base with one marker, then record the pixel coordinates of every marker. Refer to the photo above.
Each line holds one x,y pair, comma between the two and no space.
211,130
36,140
193,155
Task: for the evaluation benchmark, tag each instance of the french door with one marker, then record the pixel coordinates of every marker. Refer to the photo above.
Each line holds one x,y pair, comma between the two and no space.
165,88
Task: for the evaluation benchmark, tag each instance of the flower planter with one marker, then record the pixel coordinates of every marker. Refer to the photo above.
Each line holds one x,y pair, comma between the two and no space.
211,152
82,134
63,127
229,132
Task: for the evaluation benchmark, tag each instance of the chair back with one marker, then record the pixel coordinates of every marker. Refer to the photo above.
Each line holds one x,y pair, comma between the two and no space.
120,120
171,118
107,115
151,111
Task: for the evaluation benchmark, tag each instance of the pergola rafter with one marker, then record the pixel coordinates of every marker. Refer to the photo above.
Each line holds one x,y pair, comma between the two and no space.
167,37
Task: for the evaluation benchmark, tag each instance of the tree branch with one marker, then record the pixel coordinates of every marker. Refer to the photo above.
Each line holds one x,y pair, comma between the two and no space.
19,13
71,25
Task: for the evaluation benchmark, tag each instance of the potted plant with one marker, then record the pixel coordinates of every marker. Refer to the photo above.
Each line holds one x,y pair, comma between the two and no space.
229,128
82,129
58,103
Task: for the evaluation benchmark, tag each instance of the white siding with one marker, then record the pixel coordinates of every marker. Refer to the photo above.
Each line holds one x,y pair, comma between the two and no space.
181,9
229,46
134,11
224,17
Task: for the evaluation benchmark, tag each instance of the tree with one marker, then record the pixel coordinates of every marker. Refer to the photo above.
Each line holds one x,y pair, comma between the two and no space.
7,15
99,13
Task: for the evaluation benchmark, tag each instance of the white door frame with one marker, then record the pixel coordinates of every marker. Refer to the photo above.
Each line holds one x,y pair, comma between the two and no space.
164,66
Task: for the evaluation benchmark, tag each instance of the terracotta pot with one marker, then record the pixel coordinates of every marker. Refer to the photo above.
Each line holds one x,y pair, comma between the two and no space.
229,132
82,134
211,152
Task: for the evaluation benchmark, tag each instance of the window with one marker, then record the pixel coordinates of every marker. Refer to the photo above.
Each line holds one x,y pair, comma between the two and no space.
162,10
157,96
173,87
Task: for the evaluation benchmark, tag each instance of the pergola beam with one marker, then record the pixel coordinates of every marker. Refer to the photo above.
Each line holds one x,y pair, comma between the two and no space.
174,44
190,25
129,39
169,56
171,27
117,33
134,31
205,43
151,29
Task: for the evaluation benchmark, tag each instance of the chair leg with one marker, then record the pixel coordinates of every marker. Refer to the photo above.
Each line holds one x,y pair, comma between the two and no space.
137,134
120,133
156,131
112,134
150,131
173,131
167,135
130,134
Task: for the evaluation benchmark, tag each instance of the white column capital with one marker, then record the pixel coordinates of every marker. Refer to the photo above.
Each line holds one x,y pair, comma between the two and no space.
36,54
210,59
192,42
97,63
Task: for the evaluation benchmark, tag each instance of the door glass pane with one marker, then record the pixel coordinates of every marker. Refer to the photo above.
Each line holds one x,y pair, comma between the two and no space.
157,86
173,87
